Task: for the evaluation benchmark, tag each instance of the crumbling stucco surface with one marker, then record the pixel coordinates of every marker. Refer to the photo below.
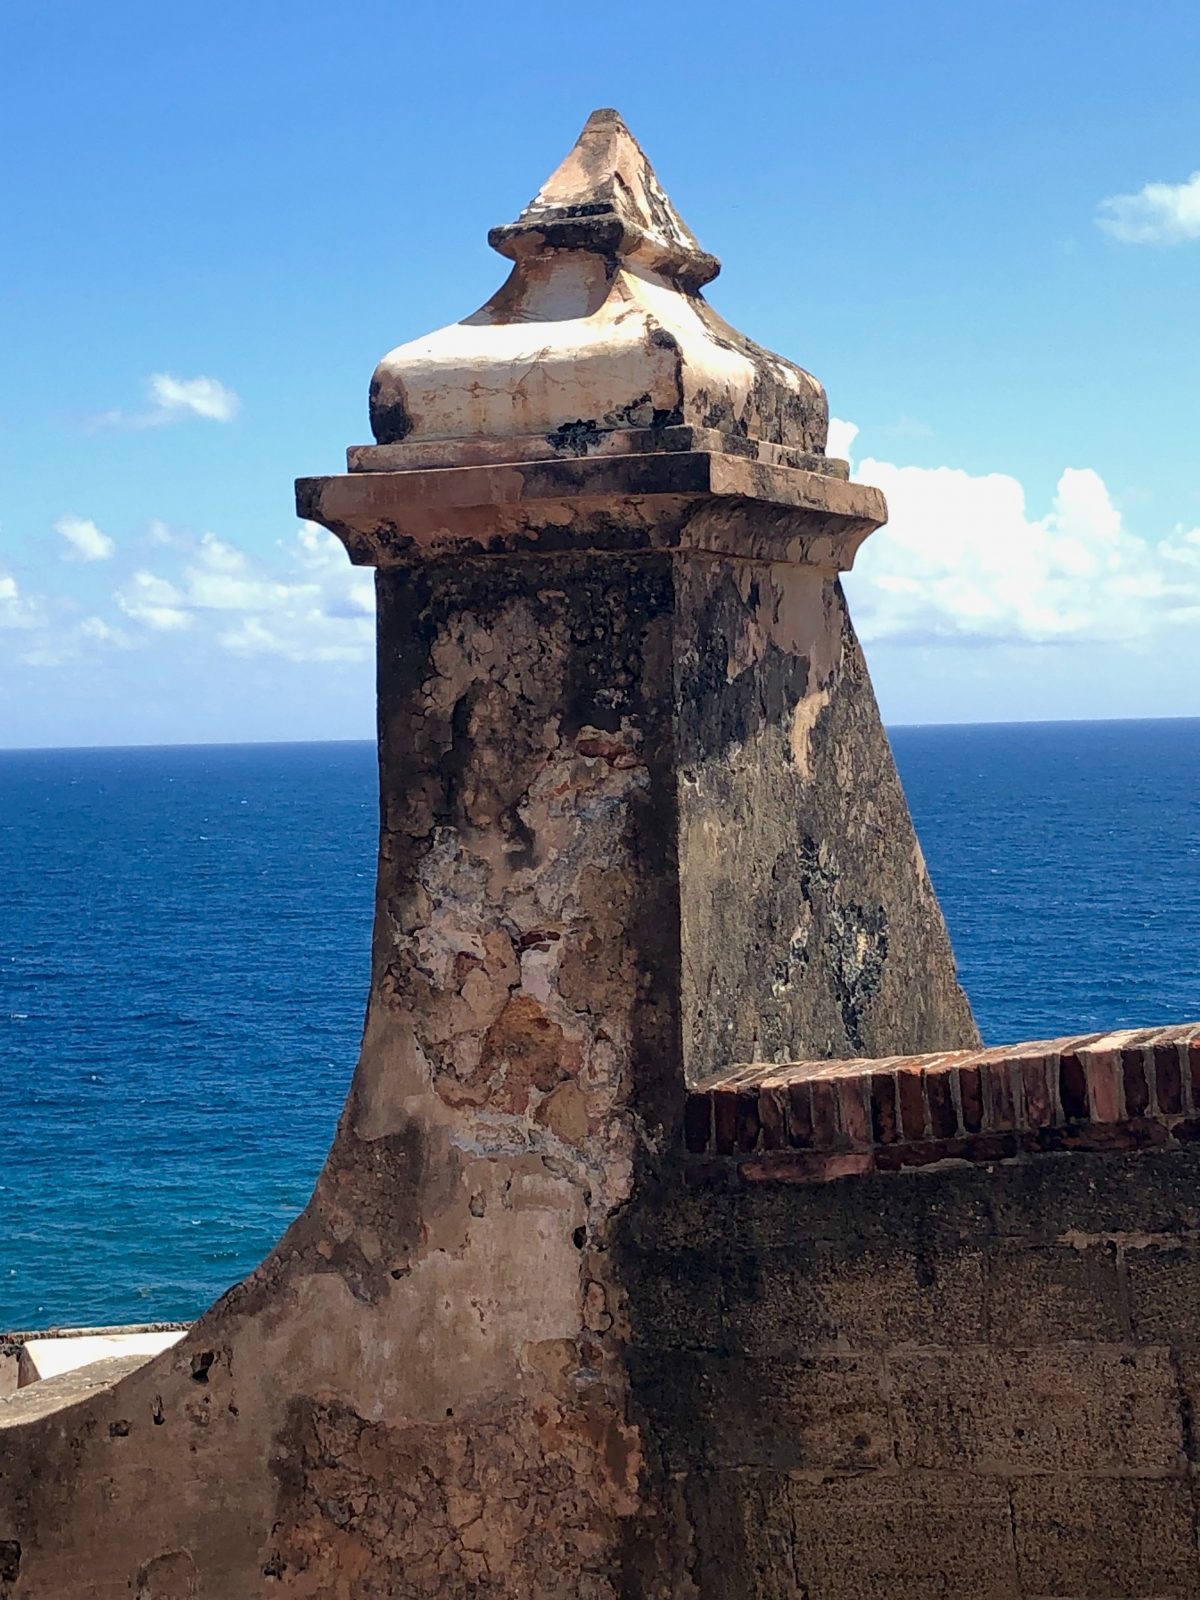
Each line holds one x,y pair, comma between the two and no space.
637,815
808,917
421,1391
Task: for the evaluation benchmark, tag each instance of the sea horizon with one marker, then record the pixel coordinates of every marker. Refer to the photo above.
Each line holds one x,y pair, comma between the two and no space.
185,948
271,744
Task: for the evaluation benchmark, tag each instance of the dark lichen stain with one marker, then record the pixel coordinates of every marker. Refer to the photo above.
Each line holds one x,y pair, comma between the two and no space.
10,1560
575,438
814,934
775,410
390,419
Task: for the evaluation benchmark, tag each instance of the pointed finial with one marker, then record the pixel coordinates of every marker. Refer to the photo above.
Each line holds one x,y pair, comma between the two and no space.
597,342
606,198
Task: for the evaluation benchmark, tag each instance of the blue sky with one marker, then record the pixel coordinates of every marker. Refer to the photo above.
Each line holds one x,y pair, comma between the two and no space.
921,203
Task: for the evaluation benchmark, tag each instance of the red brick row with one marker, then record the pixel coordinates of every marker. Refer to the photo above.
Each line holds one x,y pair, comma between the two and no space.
817,1119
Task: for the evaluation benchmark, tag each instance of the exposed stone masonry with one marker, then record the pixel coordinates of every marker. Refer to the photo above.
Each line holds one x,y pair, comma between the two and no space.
958,1382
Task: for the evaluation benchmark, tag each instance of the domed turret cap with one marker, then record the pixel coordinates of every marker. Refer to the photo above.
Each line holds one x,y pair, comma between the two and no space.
599,334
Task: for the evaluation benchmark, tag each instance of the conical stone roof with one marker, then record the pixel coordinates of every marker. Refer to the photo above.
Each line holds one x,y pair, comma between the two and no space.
599,342
606,197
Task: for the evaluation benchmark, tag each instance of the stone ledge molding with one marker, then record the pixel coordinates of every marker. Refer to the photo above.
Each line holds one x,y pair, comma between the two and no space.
583,439
695,501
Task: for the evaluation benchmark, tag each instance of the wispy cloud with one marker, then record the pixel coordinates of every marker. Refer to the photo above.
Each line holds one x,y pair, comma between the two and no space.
308,604
85,541
13,612
155,602
195,397
174,399
1159,213
21,613
95,628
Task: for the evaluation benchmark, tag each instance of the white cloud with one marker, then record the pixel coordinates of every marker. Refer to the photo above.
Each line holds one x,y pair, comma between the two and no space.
42,630
841,438
85,539
222,579
309,604
961,558
17,610
96,629
175,400
198,638
10,601
155,602
1160,213
197,397
253,637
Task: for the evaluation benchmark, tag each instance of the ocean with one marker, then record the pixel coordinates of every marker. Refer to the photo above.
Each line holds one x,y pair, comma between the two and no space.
184,938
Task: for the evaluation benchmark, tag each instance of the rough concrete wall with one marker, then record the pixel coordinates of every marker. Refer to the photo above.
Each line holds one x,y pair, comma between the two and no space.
958,1383
810,927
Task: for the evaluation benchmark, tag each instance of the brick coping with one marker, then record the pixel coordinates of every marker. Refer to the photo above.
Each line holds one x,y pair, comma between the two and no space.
812,1121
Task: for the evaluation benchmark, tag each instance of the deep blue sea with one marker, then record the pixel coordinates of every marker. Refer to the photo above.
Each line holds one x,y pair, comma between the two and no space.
184,956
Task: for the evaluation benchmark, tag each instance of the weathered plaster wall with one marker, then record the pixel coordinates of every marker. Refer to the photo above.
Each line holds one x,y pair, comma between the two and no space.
525,970
421,1391
959,1382
810,927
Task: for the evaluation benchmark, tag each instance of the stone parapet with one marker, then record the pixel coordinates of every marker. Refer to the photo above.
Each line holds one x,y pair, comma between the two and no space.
812,1121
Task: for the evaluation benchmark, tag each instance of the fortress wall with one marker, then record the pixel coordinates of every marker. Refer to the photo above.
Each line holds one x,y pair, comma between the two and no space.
957,1381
